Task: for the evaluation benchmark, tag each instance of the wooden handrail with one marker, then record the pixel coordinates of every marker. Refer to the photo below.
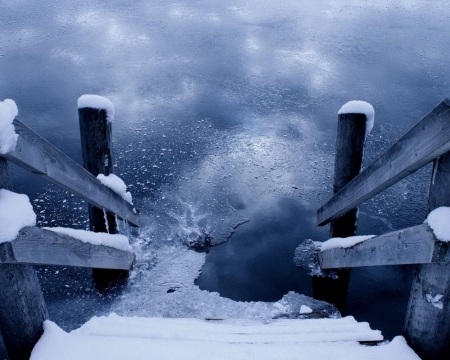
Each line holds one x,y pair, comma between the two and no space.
44,247
37,155
426,141
414,245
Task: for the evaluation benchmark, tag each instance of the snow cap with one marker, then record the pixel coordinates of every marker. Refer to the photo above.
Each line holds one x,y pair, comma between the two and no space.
439,221
360,107
116,184
97,102
16,212
8,136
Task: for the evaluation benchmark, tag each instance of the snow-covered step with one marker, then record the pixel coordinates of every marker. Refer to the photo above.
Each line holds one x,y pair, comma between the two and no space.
115,337
232,331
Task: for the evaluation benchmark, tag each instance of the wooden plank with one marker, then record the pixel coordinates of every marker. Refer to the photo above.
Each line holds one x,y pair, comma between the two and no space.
427,140
414,245
38,156
22,305
427,328
44,247
350,138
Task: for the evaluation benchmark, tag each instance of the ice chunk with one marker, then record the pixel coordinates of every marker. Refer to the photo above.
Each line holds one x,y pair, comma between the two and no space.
305,310
112,240
97,102
344,242
16,212
360,107
116,184
8,136
439,221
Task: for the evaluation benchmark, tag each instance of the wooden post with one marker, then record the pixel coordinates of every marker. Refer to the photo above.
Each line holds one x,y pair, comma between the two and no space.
22,305
427,325
348,160
95,131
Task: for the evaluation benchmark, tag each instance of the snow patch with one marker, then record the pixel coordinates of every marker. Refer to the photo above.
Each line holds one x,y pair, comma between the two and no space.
97,102
16,212
439,221
435,300
116,184
344,242
305,310
112,240
8,136
360,107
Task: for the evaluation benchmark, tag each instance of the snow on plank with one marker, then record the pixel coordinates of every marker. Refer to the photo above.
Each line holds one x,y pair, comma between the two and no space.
414,245
114,337
35,154
44,247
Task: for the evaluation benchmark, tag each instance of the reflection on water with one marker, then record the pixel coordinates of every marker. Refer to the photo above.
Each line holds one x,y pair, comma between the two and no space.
214,98
257,262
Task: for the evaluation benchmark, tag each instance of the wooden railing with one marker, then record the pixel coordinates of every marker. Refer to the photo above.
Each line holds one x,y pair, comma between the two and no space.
22,306
426,141
37,155
427,328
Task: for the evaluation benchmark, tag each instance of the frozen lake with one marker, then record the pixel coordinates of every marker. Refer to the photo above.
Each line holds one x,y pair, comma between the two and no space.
225,121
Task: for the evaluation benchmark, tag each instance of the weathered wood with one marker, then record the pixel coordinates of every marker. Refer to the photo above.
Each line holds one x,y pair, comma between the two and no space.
43,247
414,245
38,156
95,131
22,305
427,140
350,138
427,326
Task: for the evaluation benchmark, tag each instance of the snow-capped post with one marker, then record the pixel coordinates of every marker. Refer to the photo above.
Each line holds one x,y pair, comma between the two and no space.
22,305
355,120
427,325
96,115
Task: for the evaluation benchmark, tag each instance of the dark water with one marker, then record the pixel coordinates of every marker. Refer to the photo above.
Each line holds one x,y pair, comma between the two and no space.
216,98
257,262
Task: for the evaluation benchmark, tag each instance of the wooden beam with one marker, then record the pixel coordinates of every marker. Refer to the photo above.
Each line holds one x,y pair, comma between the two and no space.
40,157
44,247
414,245
427,140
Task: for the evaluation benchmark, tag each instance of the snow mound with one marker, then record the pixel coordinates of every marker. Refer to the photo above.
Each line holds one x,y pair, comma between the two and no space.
97,102
116,184
344,242
16,212
439,221
8,136
360,107
112,240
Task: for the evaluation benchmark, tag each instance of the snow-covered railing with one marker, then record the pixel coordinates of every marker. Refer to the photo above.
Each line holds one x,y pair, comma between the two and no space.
426,141
414,245
37,155
46,247
22,305
427,328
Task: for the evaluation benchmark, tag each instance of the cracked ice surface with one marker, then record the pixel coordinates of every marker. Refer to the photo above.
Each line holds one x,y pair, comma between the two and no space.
164,277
